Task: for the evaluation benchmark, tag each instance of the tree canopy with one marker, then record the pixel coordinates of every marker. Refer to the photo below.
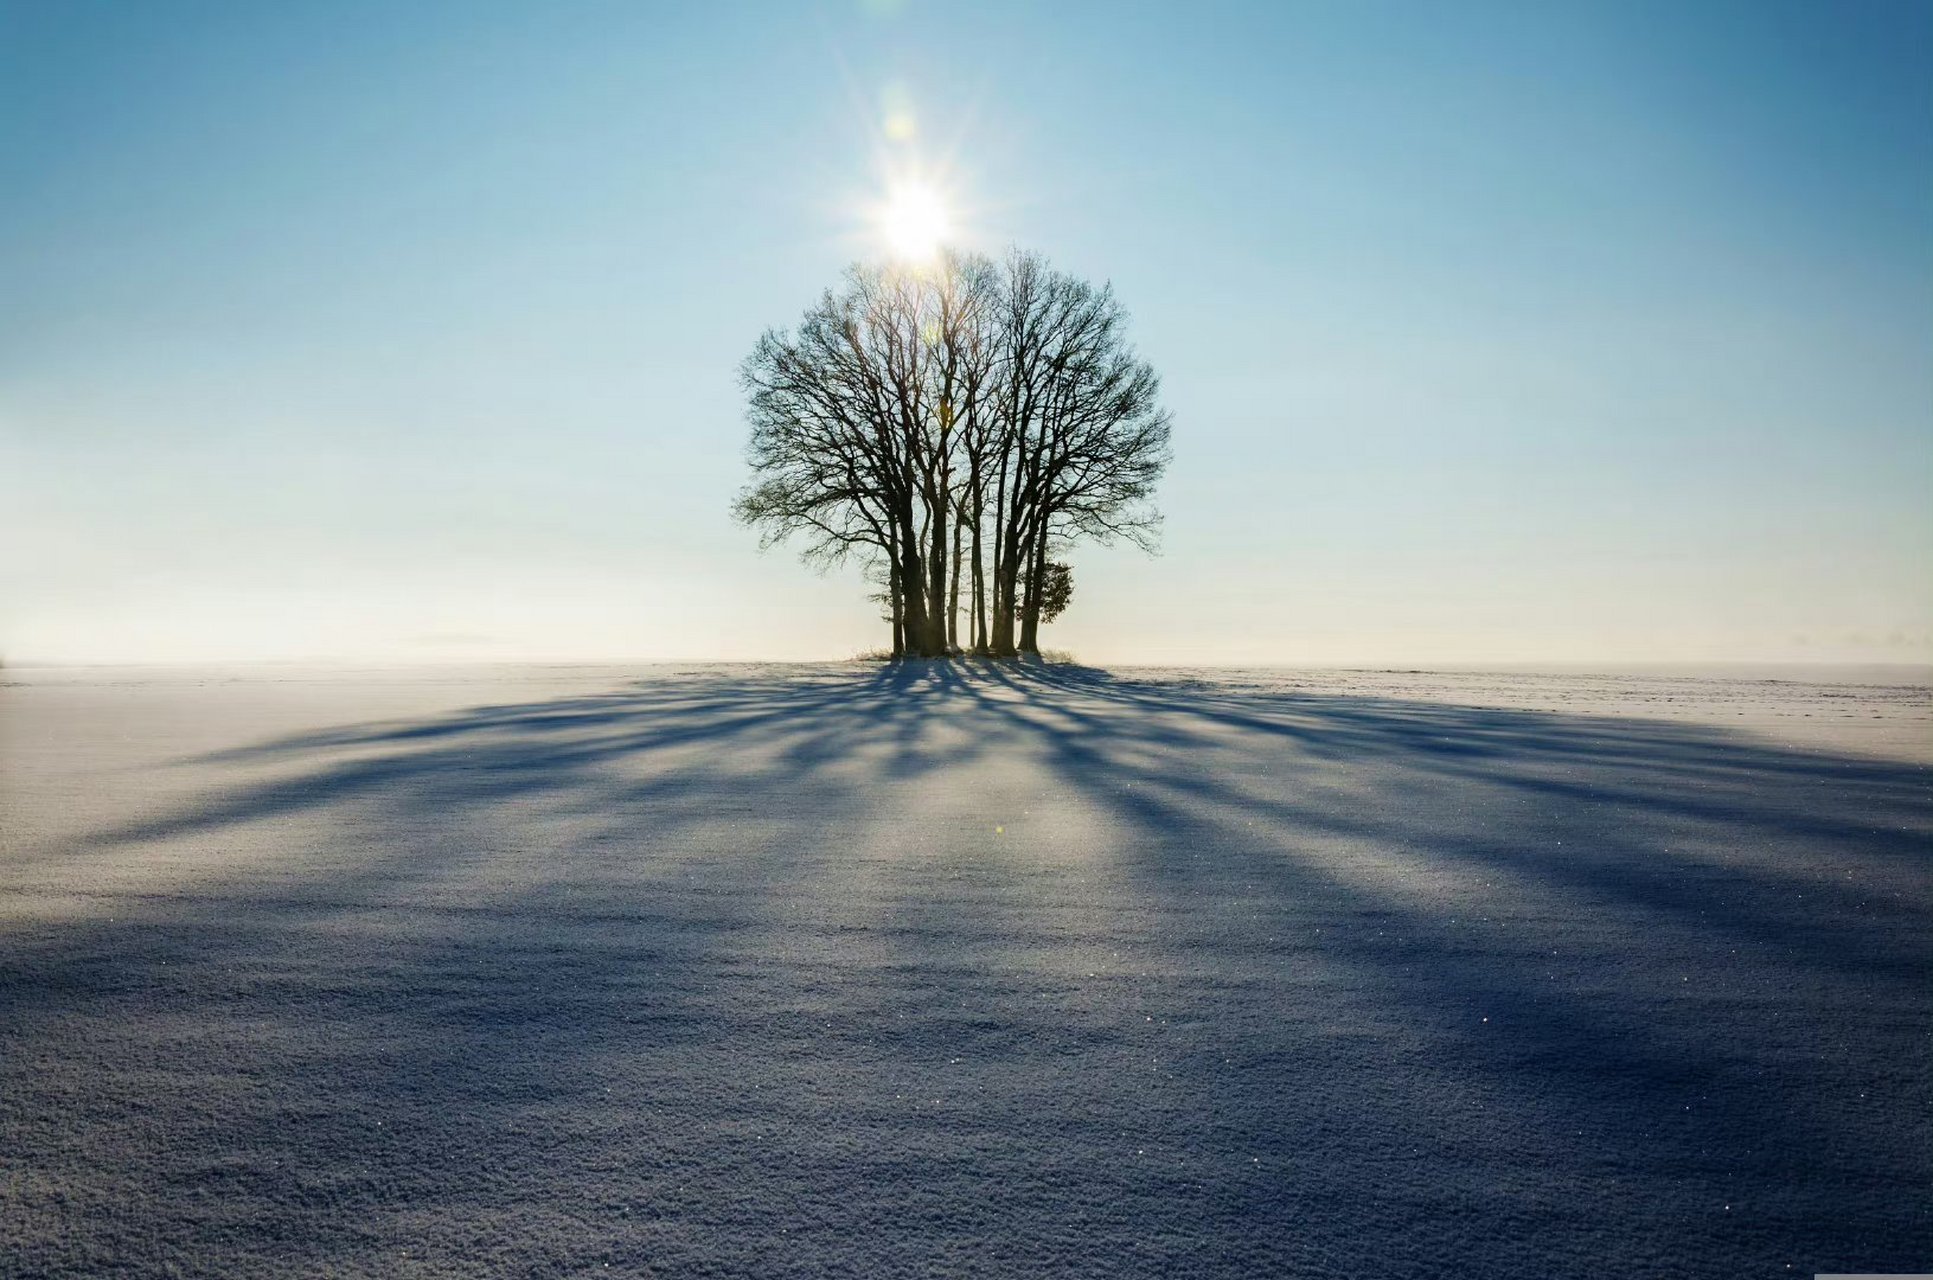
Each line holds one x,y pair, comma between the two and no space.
972,416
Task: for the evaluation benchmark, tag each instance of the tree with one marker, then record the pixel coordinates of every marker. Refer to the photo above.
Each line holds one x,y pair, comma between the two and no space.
971,412
1056,590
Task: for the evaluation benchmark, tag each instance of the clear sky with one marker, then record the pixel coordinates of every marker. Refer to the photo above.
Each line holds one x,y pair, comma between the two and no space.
1492,333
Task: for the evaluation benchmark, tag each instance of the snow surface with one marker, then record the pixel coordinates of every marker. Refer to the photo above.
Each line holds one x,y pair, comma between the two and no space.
932,970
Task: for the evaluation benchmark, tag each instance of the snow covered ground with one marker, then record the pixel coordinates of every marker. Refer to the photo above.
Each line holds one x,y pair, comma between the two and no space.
917,971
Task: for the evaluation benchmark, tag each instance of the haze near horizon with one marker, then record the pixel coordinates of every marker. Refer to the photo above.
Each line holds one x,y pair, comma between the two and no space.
1494,336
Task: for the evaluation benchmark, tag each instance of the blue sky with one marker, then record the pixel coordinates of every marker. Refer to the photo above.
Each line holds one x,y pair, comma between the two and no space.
1493,333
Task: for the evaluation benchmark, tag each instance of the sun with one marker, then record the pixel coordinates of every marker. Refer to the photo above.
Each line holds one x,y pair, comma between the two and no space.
914,221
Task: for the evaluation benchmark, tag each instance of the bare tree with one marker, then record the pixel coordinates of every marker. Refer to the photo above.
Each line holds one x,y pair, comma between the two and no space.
918,418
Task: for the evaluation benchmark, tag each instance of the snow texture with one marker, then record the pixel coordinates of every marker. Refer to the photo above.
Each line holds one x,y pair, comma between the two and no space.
948,970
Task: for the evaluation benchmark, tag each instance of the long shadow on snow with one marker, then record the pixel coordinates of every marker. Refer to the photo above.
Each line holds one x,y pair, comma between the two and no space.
1343,1106
1572,1005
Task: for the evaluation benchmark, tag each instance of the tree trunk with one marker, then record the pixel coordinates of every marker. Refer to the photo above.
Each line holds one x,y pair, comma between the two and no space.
936,584
1017,550
1003,606
1000,644
1036,577
899,608
953,591
979,591
912,592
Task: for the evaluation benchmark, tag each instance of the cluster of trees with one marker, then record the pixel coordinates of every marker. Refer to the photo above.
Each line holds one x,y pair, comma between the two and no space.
967,418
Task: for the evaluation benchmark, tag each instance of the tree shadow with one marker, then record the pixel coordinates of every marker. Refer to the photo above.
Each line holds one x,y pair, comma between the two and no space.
1022,971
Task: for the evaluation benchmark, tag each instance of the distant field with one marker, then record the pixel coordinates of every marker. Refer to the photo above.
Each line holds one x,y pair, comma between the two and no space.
898,971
